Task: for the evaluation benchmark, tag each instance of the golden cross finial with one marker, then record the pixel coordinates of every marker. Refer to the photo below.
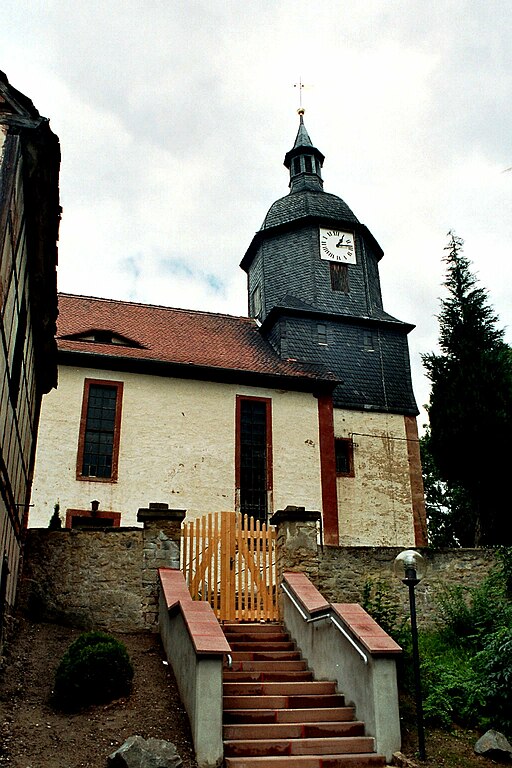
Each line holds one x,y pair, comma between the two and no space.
300,86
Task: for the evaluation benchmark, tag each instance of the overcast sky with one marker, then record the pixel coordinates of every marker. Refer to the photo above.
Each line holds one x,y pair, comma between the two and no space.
174,118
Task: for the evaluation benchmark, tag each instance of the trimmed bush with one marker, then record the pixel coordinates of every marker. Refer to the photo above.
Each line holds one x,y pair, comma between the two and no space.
95,669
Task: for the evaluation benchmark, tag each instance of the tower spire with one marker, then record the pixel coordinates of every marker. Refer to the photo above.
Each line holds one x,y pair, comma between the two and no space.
304,161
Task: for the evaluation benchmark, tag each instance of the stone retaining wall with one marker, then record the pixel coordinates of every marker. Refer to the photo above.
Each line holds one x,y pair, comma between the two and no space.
340,573
343,572
86,578
101,578
107,578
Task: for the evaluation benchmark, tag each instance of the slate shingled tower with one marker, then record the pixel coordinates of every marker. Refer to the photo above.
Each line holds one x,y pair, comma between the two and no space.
313,282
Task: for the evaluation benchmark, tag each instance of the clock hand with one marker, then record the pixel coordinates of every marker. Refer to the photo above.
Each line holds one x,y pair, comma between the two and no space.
343,245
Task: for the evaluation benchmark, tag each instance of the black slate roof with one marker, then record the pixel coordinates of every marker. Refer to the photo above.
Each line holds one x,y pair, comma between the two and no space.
307,203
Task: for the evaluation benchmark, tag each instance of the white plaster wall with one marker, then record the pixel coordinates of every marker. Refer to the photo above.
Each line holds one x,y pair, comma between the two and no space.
177,445
375,506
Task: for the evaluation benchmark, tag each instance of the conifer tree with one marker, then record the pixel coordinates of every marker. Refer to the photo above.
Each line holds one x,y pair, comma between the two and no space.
470,410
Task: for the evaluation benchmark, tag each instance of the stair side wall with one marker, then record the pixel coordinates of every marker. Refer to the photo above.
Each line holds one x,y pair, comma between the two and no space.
371,687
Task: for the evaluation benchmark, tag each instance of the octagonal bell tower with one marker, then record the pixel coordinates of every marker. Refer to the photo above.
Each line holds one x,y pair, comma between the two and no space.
313,284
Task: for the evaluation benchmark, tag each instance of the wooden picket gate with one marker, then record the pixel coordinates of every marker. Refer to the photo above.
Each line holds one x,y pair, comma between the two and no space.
230,562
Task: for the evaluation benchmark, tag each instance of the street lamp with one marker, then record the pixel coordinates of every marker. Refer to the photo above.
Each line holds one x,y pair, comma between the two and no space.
409,567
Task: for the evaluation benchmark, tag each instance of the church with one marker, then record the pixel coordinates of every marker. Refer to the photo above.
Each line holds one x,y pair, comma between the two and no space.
308,401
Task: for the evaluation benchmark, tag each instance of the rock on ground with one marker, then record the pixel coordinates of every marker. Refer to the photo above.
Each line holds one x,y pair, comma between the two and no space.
137,752
494,744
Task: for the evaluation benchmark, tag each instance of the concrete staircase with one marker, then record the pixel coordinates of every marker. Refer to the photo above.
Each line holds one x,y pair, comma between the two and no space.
277,716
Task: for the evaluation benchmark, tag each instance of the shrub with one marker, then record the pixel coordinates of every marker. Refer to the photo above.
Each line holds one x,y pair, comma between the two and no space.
467,663
451,689
95,669
467,615
505,568
494,665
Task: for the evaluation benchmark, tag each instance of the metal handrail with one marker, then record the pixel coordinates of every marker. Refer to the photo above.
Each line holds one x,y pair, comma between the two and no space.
325,615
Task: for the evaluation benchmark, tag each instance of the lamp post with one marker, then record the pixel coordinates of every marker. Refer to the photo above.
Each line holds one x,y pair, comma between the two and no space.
409,566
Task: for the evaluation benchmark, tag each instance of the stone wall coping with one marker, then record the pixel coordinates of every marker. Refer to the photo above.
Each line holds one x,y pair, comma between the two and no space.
204,629
160,512
295,514
77,531
306,592
376,641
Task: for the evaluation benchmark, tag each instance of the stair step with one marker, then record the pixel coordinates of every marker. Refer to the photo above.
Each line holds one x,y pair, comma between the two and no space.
325,746
277,716
260,629
259,666
267,675
293,730
285,645
307,761
290,715
299,701
283,688
266,655
251,637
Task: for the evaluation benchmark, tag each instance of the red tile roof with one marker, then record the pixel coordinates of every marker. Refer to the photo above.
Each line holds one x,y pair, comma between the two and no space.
180,337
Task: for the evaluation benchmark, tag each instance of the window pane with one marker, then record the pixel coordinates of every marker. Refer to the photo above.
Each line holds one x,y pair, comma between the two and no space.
253,458
343,451
99,431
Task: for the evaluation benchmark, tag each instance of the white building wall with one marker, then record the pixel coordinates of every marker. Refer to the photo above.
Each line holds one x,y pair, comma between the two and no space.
177,445
375,506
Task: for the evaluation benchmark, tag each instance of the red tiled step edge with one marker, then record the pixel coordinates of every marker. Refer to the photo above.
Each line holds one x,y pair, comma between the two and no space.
244,637
266,656
260,666
241,627
285,688
289,715
306,761
283,702
293,730
263,646
324,746
268,675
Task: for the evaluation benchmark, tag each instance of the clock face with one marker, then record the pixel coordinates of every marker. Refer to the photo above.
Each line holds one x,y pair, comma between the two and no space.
337,245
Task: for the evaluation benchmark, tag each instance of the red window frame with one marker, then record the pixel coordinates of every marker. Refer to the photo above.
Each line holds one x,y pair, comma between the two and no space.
98,515
118,385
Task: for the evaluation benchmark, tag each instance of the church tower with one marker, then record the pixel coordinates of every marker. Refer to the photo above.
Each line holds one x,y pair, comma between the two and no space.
314,286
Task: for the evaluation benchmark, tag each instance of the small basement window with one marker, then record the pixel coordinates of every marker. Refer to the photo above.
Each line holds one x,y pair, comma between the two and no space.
87,518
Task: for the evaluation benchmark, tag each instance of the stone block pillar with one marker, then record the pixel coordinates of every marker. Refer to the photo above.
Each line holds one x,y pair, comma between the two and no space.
162,540
297,540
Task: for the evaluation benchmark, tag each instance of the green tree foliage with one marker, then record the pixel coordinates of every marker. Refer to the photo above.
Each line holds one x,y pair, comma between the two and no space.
447,506
470,410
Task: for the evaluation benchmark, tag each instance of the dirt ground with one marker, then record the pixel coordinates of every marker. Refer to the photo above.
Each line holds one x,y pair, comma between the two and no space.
34,735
